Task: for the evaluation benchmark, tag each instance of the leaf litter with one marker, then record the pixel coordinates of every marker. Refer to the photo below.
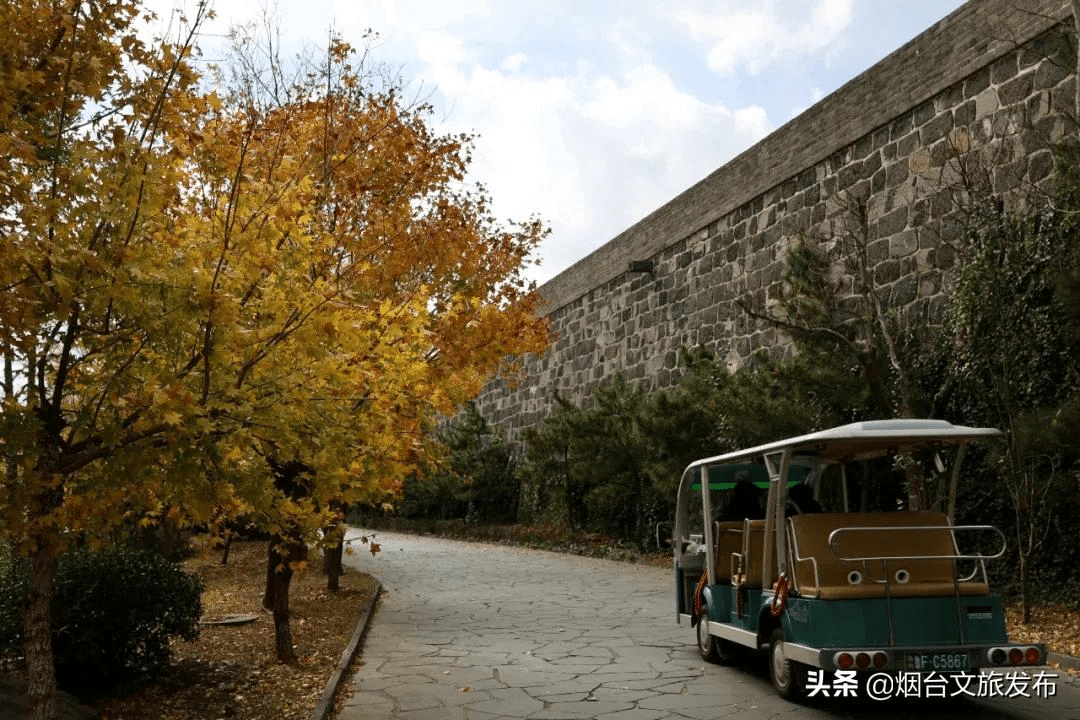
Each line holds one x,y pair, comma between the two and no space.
232,671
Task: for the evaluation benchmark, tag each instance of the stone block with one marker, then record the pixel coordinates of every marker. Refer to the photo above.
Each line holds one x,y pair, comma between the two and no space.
1048,74
907,145
936,309
919,212
903,243
888,152
1004,69
1040,166
929,284
1062,97
877,251
923,113
896,174
986,103
878,182
936,128
1016,90
1029,56
846,176
880,138
946,255
901,126
891,223
1038,106
887,272
870,165
964,114
977,82
949,98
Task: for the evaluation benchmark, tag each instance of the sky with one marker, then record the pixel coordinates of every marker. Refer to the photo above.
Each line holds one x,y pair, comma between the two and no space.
591,114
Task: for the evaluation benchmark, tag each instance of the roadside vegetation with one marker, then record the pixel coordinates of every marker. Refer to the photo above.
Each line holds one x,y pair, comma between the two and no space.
158,651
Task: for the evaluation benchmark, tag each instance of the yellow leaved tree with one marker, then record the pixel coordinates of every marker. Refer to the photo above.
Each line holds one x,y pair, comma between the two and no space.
214,302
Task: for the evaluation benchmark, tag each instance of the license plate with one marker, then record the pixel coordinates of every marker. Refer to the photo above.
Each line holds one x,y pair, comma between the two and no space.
925,662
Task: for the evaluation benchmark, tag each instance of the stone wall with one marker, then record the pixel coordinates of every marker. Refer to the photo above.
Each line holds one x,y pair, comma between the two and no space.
974,102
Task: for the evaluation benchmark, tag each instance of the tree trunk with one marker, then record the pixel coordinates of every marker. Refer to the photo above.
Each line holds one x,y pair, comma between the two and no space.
332,555
916,486
229,534
37,623
285,551
282,578
332,564
37,635
1025,596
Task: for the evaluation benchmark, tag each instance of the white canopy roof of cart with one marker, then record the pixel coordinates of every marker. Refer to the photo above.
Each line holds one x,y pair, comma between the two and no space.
863,440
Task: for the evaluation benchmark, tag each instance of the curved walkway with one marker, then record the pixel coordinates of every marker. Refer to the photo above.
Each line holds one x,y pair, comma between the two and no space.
476,631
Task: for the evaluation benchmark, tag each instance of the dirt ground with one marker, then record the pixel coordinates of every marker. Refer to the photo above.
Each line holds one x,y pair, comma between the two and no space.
1057,625
232,670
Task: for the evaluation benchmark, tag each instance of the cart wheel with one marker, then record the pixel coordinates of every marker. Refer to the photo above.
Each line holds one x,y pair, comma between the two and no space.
788,676
708,645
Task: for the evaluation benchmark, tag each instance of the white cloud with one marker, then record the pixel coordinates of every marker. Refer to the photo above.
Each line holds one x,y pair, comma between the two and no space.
589,152
757,37
514,63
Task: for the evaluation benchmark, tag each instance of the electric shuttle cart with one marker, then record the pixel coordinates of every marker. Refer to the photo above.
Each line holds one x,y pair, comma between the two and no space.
837,587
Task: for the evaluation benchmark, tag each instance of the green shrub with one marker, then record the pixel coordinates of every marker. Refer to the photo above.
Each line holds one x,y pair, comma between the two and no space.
113,615
14,587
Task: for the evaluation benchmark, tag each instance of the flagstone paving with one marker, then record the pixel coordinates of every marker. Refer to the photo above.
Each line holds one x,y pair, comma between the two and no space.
474,631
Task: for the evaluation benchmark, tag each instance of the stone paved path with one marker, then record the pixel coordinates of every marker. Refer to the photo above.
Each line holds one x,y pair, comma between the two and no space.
482,631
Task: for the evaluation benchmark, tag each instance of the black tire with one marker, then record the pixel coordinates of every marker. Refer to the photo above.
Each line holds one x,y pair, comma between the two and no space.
707,645
788,676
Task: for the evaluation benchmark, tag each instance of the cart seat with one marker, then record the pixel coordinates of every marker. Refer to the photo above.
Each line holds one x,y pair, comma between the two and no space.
924,567
727,539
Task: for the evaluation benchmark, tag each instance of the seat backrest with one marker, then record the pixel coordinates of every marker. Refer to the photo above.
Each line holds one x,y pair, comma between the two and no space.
753,552
818,570
727,539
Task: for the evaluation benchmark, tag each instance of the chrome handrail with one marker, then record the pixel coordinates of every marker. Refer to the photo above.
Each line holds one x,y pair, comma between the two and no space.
951,528
979,559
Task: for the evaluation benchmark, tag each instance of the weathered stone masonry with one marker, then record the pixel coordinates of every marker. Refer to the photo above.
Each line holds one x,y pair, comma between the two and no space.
980,95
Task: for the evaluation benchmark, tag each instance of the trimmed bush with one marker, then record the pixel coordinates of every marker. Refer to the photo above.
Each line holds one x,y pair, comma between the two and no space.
113,615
